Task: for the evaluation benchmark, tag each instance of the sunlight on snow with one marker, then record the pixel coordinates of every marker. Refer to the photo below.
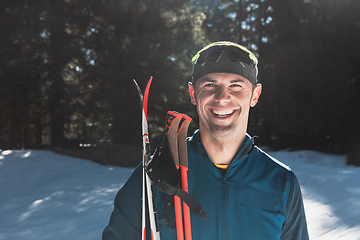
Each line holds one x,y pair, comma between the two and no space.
25,155
319,217
6,152
56,196
35,206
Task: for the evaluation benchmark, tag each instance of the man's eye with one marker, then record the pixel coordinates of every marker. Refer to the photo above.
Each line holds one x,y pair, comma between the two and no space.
209,85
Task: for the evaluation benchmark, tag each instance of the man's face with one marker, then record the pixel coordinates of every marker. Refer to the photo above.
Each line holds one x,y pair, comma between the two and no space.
223,101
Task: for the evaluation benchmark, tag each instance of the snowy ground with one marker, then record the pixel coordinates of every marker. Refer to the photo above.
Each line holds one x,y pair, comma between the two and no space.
44,195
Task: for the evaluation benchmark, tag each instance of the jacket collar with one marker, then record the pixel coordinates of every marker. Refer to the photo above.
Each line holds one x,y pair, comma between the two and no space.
243,153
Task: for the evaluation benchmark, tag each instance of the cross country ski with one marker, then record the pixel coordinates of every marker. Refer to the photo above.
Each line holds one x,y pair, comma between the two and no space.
147,196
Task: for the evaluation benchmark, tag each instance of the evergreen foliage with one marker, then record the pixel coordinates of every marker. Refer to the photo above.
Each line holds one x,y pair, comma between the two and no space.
66,68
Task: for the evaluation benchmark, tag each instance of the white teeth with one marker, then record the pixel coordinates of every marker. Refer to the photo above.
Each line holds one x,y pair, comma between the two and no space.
222,113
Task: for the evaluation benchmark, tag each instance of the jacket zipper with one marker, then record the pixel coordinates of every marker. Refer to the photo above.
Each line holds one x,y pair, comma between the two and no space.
223,186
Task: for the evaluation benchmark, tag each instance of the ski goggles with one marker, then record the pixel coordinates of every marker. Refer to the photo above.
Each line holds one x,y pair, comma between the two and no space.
235,52
225,57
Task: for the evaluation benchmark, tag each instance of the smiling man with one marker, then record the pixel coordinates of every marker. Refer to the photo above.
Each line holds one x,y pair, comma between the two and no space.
246,193
223,101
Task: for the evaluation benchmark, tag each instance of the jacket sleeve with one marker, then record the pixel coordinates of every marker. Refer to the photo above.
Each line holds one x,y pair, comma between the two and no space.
294,226
125,220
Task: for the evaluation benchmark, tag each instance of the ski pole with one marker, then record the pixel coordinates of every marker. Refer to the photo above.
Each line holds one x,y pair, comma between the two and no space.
182,134
172,121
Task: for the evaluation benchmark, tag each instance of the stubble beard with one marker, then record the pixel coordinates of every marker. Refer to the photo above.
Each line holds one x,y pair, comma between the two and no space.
222,131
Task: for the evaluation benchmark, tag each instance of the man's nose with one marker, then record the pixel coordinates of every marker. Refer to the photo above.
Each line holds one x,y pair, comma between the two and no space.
222,94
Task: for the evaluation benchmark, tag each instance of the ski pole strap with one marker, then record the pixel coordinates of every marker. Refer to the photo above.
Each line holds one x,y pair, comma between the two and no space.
163,173
168,206
187,198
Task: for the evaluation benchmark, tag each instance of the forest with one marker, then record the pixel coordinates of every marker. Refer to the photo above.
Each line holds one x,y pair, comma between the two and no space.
66,69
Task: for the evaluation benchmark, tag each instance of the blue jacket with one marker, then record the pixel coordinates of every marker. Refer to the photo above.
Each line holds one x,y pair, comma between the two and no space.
258,198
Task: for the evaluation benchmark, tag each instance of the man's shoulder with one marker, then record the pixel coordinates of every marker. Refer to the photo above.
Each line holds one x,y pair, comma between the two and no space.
268,159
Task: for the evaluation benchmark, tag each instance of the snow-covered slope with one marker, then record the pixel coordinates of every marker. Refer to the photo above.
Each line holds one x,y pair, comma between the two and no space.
44,195
331,192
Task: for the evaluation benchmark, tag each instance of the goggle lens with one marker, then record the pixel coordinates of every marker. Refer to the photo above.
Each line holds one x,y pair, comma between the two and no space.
234,53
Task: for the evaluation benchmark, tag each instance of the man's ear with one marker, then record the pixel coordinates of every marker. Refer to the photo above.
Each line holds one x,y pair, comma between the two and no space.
256,95
192,93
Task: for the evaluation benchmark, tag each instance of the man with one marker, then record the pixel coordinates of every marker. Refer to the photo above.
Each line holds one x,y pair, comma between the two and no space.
246,193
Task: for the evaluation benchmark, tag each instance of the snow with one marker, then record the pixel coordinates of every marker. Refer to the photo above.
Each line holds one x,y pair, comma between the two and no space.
331,192
44,195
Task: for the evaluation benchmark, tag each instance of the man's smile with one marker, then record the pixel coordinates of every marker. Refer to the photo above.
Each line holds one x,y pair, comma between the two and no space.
223,113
